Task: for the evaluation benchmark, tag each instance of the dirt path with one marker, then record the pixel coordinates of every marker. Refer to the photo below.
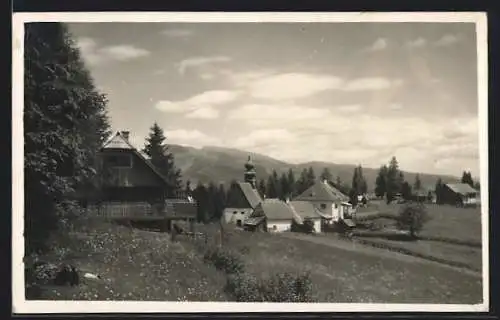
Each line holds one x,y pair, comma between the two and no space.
348,245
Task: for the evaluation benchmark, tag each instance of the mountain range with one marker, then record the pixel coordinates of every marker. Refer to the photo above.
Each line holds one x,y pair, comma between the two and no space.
221,165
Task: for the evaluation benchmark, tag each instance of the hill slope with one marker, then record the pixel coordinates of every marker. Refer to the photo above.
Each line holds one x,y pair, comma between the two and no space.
221,165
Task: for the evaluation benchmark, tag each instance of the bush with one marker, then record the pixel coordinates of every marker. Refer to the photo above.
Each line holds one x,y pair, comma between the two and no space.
306,227
282,287
412,217
225,260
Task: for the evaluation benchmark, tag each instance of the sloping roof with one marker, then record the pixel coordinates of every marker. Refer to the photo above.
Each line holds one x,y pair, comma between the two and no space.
250,194
461,188
304,209
253,221
275,209
322,191
117,142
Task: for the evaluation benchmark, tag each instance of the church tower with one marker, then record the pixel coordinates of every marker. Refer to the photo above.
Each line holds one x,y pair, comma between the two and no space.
250,175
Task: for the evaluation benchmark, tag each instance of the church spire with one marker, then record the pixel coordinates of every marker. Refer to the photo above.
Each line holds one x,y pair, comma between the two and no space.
250,175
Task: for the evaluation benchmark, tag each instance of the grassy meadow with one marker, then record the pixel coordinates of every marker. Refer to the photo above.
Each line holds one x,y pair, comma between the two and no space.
144,265
359,274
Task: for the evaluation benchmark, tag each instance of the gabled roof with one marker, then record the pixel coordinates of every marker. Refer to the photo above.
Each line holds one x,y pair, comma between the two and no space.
322,191
461,188
275,209
117,142
251,195
304,209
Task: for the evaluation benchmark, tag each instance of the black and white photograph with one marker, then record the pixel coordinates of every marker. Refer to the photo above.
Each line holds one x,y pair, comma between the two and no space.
295,162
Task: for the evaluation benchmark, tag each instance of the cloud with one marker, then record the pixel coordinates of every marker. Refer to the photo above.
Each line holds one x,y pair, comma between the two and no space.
204,113
95,55
271,86
417,43
350,108
200,61
447,40
193,138
177,33
268,114
378,45
375,83
264,138
291,85
203,101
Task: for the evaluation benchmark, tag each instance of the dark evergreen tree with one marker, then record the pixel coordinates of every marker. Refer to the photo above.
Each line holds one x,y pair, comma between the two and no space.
262,188
326,175
381,182
163,159
406,191
359,185
220,202
439,191
311,177
285,192
302,183
273,187
213,197
65,123
291,183
467,178
201,196
393,180
417,185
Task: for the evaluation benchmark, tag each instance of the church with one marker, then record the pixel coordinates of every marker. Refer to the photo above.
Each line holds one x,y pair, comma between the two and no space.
244,198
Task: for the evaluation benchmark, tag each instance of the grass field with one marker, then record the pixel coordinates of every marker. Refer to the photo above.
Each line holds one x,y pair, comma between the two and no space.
354,276
463,224
134,265
144,265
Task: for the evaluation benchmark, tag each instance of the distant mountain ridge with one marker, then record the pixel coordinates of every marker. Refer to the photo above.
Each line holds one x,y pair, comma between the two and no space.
221,165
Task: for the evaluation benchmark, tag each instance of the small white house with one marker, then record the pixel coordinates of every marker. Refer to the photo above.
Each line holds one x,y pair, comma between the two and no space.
278,215
305,210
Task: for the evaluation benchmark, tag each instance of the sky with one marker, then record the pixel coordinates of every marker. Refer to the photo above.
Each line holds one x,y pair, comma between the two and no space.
353,93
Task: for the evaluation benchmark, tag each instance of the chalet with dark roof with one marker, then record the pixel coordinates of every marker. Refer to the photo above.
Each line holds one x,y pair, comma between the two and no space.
131,187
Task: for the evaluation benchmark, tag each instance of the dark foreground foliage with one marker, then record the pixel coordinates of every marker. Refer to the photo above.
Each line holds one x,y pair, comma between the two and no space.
65,123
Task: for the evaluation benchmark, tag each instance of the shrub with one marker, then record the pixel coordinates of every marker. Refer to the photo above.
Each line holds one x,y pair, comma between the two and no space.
412,217
225,260
281,287
306,227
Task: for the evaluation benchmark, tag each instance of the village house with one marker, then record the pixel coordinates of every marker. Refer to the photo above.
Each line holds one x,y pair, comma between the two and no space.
460,194
329,202
130,186
272,215
305,210
244,199
424,194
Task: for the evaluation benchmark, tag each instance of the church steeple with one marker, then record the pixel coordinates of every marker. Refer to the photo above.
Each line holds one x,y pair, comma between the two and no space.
250,175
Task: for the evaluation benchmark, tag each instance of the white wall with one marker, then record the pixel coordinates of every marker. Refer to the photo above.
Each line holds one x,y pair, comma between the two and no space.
241,214
317,225
281,225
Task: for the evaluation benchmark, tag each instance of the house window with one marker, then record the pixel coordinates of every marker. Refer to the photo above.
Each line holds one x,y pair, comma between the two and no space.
118,161
275,227
235,212
323,206
336,206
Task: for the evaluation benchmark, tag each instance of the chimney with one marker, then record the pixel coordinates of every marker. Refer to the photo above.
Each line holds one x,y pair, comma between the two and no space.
125,134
